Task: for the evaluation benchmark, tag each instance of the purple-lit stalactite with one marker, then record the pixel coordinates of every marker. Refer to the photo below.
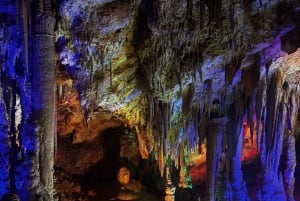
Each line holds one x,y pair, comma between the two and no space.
270,178
44,91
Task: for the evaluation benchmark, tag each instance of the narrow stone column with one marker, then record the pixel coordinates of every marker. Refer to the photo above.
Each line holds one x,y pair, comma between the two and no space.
234,186
44,92
214,131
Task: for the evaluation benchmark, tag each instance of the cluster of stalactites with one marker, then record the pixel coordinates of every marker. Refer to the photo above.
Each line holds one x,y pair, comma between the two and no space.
279,118
271,114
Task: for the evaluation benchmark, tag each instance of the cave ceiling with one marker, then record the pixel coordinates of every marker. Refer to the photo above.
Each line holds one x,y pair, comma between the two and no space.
116,60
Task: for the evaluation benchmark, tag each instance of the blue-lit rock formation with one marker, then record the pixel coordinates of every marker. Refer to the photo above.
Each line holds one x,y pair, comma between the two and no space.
27,99
184,86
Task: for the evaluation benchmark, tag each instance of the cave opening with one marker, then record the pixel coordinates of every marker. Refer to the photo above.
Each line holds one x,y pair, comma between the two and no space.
106,169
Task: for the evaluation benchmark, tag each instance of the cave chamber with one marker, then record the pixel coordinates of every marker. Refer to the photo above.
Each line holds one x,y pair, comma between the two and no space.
149,100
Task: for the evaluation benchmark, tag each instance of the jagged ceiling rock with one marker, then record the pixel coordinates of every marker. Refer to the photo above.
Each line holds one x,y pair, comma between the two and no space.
125,57
94,43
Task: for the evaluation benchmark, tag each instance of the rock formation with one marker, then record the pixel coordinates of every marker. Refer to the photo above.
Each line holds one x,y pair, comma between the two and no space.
182,85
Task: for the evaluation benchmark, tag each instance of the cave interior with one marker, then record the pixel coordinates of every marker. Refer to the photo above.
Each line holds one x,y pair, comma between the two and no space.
150,100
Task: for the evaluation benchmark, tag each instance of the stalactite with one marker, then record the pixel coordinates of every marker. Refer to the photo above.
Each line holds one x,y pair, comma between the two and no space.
196,116
250,113
259,109
187,98
189,11
272,105
202,13
270,178
110,74
214,9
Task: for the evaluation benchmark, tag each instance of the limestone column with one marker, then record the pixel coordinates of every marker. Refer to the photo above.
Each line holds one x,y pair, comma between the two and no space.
234,185
44,90
214,131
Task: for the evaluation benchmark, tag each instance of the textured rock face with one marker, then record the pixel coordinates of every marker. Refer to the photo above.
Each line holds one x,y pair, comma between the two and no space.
27,99
163,69
168,68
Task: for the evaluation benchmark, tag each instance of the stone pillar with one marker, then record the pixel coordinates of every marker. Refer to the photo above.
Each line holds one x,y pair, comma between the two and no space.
234,186
44,91
214,131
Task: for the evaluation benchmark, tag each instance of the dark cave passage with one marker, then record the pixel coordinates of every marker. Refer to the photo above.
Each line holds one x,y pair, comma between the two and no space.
106,169
120,149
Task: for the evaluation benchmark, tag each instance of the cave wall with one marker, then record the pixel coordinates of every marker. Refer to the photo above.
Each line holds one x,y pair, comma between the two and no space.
182,74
